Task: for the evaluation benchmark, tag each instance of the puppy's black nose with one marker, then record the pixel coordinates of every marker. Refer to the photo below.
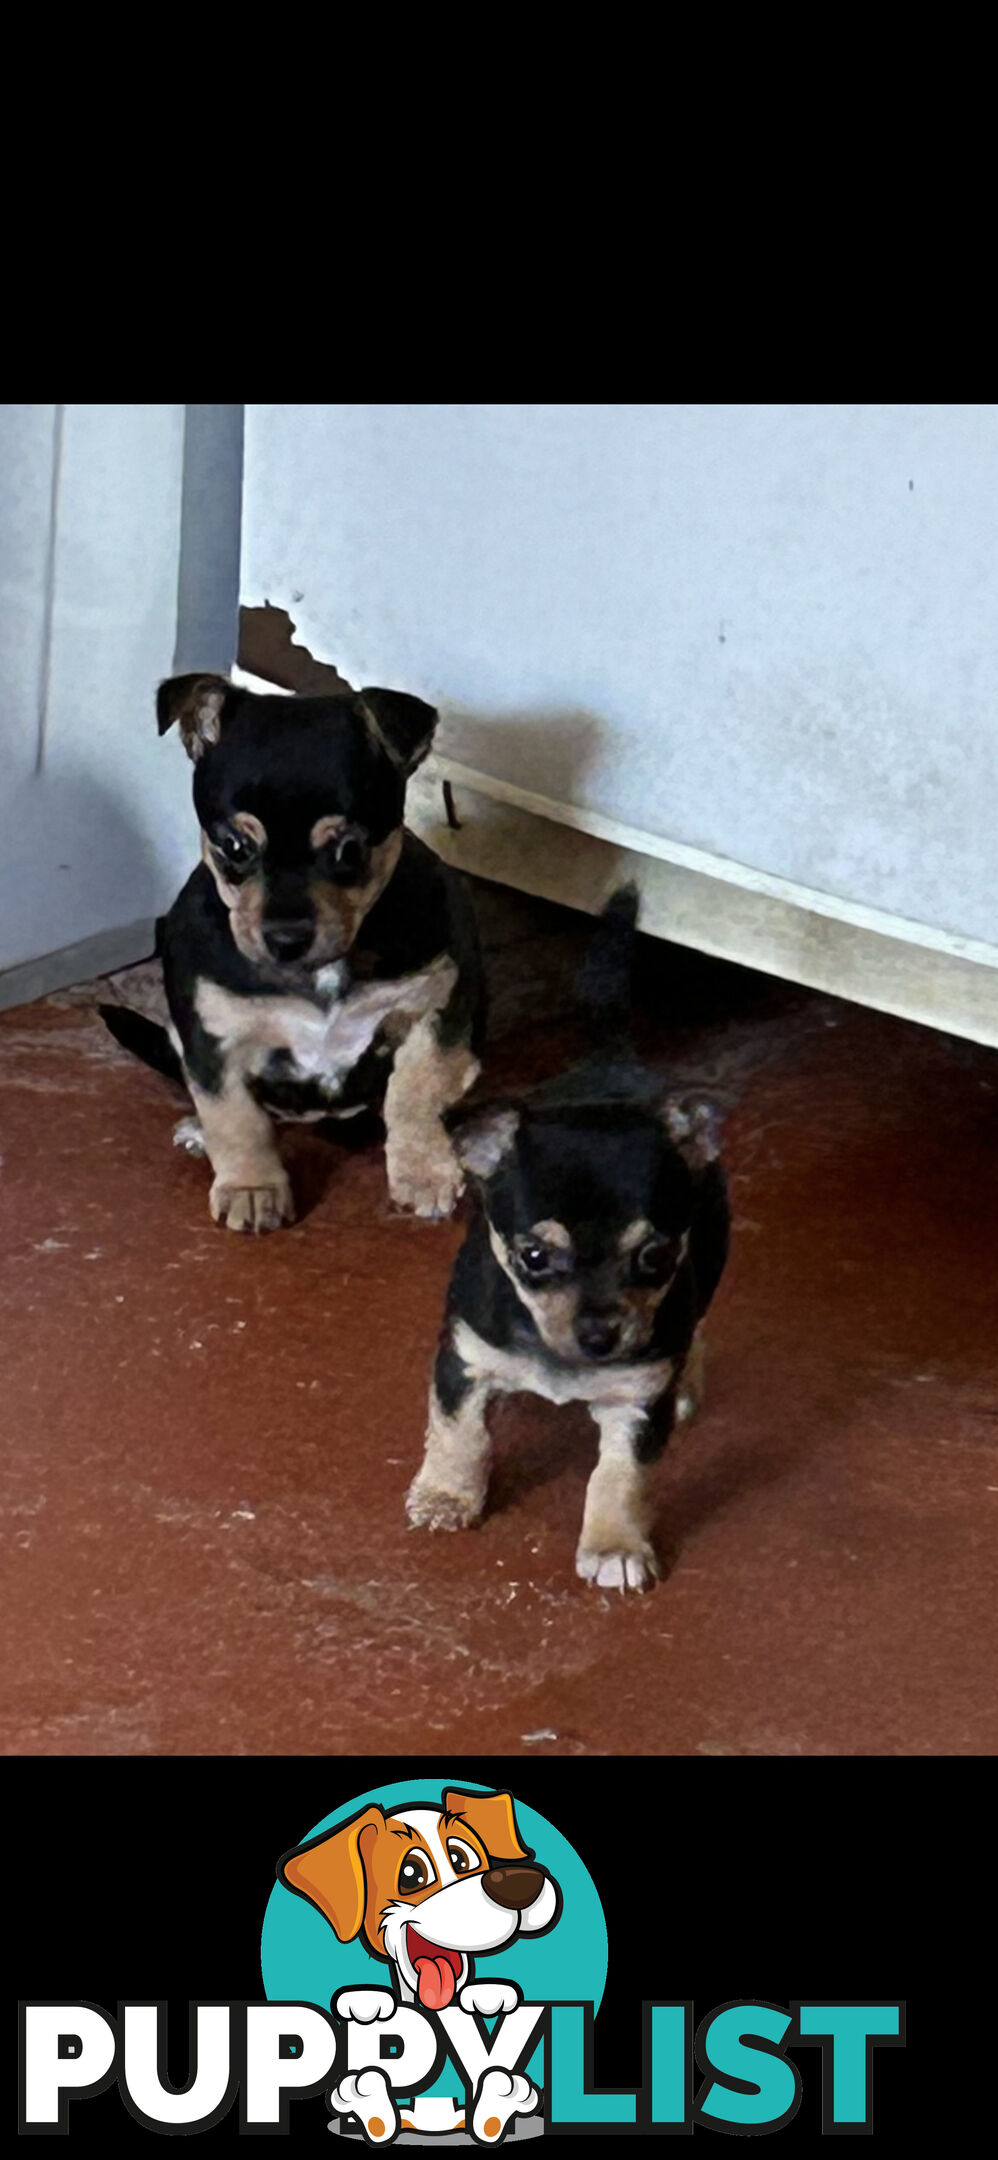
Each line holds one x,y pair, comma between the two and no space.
288,940
597,1335
513,1887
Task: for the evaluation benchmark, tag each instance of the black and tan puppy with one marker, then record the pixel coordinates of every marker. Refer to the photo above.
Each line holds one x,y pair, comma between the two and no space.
321,960
598,1240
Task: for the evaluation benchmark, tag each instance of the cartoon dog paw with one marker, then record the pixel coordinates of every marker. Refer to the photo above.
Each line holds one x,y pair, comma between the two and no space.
501,2095
367,2096
430,1508
631,1568
253,1207
491,1998
364,2005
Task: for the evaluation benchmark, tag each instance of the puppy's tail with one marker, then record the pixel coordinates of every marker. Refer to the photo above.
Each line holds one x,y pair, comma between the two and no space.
144,1038
604,985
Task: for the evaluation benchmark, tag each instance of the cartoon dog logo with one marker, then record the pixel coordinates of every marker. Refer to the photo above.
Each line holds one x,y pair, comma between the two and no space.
428,1889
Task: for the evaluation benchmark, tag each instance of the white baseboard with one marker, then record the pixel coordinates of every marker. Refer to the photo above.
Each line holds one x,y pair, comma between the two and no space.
718,907
99,955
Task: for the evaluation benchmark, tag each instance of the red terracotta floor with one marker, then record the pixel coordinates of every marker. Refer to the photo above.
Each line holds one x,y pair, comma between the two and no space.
207,1439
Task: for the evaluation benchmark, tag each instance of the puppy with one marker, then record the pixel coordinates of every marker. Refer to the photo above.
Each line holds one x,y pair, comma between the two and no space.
598,1240
321,960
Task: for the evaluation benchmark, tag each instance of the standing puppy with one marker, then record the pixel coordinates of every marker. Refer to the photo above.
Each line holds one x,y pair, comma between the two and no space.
320,960
598,1241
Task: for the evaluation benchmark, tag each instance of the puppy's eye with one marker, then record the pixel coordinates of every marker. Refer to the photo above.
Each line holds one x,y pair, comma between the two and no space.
236,848
461,1858
535,1260
654,1259
416,1872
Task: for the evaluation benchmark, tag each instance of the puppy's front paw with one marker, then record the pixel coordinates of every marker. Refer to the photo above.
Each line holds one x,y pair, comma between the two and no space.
428,1184
501,2094
430,1508
187,1134
631,1567
253,1207
491,1998
365,2005
366,2094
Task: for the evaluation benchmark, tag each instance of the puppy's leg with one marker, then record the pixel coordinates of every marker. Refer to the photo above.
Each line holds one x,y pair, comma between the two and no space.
448,1490
423,1171
251,1189
689,1394
615,1549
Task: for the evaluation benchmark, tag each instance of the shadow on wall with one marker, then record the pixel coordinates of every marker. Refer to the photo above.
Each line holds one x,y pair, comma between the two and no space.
550,751
103,857
547,751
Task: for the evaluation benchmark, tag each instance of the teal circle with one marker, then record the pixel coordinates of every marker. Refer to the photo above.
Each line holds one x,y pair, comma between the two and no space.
302,1960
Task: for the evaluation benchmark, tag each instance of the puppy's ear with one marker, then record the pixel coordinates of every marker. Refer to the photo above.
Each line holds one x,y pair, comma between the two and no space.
196,702
483,1138
491,1817
403,725
694,1127
329,1871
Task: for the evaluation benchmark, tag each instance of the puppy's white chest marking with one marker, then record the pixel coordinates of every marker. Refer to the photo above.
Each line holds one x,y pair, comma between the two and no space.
518,1372
324,1042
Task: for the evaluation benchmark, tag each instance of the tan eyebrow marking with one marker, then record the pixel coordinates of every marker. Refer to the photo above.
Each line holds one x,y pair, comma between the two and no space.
327,828
245,822
635,1234
553,1233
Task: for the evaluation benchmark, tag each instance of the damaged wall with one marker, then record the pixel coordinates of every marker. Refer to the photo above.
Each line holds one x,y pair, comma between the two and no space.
764,634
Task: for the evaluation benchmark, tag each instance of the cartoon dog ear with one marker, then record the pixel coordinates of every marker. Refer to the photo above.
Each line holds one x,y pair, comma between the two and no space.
403,725
329,1872
694,1127
195,701
491,1817
483,1139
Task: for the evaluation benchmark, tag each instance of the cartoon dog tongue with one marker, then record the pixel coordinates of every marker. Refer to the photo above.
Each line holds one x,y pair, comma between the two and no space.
435,1982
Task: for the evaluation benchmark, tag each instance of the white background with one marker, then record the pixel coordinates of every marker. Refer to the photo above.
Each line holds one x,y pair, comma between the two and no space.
767,632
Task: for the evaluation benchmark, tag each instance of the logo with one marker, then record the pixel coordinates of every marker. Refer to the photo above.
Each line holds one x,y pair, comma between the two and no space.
433,1962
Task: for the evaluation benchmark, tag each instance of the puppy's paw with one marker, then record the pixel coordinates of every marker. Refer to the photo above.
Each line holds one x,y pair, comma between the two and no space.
365,2005
689,1394
187,1134
430,1508
429,1184
367,2096
501,2094
491,1998
631,1567
253,1207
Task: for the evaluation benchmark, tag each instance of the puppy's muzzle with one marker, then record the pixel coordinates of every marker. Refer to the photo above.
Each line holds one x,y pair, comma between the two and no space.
514,1888
597,1334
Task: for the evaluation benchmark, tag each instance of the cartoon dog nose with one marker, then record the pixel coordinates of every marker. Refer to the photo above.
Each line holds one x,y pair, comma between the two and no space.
597,1335
288,940
513,1887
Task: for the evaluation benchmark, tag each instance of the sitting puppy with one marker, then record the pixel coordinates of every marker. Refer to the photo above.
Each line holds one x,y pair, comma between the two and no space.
598,1241
321,959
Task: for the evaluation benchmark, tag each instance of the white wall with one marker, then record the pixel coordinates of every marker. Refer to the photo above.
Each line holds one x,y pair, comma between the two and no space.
107,513
769,633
